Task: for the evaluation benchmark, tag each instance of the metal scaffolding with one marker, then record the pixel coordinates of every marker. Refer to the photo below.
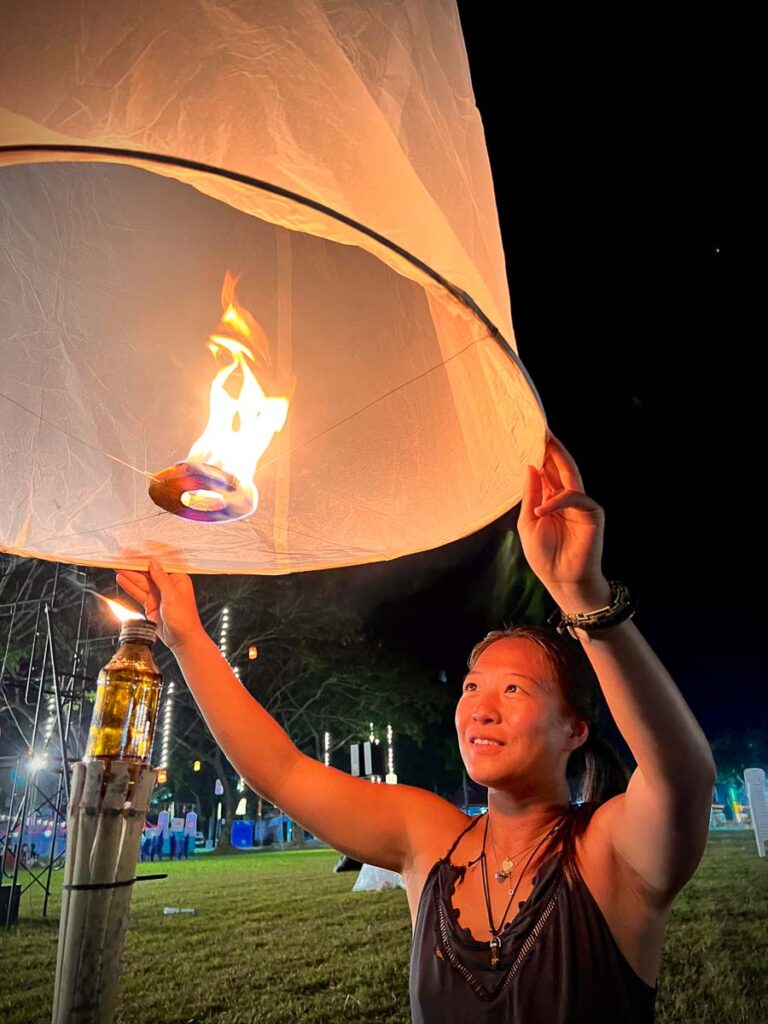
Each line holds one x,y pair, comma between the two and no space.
43,704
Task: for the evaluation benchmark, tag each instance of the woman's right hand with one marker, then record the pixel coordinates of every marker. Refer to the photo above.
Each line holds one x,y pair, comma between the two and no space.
168,600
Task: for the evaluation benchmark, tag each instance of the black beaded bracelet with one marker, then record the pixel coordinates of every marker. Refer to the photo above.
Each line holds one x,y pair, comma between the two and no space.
622,607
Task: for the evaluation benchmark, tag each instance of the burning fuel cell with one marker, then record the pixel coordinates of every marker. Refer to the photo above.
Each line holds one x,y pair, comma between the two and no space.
215,483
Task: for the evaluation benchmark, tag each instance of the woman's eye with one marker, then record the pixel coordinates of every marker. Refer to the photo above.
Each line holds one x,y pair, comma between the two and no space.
469,686
513,686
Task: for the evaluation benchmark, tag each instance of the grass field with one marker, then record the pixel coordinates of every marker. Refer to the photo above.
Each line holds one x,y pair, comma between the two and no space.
278,937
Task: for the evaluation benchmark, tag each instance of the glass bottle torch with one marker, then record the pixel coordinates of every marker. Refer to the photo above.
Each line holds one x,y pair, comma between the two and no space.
127,698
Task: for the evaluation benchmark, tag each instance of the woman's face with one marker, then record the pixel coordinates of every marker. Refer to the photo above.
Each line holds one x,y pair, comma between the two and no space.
511,722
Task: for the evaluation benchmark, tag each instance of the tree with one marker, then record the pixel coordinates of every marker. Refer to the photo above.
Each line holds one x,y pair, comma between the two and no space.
317,671
734,752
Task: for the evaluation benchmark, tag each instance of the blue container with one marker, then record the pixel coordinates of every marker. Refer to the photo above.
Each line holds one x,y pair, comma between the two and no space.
242,834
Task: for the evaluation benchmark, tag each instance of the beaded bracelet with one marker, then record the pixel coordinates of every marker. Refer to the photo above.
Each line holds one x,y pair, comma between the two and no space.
622,607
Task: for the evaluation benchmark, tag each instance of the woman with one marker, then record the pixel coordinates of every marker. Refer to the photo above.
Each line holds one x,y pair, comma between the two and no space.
539,911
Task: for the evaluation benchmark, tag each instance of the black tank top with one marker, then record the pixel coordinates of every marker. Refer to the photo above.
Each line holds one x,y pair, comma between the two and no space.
559,962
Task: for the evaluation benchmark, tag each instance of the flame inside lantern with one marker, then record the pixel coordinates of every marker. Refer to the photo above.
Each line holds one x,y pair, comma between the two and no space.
216,481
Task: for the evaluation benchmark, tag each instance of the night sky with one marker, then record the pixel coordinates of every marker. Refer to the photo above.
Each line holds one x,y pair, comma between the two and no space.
622,182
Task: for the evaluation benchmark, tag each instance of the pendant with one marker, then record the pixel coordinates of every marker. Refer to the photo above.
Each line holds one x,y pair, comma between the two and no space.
506,870
495,945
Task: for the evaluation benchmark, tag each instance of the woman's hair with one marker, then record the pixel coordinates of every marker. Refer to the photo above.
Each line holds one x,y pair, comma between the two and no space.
594,771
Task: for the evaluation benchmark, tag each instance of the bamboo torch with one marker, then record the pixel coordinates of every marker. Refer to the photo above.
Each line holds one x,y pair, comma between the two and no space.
109,798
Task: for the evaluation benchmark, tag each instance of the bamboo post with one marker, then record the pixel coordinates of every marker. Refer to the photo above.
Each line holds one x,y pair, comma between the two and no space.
73,818
134,817
81,818
105,819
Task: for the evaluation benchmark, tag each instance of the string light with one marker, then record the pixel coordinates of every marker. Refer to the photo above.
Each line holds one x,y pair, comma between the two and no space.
167,727
223,633
224,640
49,723
391,776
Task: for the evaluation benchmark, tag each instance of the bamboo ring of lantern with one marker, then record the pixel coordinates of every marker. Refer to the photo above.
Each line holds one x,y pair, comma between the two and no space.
140,157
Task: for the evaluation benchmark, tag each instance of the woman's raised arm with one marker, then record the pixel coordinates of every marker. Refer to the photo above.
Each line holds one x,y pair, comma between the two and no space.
659,826
378,824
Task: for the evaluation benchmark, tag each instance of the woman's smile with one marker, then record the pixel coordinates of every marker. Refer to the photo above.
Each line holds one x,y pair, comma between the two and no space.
480,744
485,748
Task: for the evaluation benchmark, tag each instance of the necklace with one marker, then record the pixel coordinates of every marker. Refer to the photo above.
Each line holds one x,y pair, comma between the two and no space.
507,863
495,933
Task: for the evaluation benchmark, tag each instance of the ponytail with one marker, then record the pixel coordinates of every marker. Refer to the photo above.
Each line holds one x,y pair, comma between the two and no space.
595,771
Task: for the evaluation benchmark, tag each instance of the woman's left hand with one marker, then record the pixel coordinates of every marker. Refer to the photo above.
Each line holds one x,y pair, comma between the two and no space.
561,532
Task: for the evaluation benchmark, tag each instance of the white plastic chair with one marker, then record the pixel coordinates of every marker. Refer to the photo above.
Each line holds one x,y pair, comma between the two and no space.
754,782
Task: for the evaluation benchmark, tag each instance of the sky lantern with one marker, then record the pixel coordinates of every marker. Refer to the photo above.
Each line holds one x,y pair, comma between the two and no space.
255,316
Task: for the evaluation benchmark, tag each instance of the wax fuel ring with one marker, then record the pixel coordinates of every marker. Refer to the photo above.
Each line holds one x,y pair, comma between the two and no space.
201,493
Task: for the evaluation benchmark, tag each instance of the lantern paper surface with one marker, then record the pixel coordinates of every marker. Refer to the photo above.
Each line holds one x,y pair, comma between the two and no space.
330,156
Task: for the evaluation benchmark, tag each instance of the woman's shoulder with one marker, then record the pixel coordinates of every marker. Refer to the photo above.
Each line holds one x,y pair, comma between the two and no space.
432,816
434,823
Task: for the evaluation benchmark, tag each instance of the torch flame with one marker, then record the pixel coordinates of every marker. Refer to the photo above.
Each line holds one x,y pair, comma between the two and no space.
240,426
120,612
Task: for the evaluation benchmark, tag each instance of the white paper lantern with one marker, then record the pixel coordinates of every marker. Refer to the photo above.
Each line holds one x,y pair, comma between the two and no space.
330,156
